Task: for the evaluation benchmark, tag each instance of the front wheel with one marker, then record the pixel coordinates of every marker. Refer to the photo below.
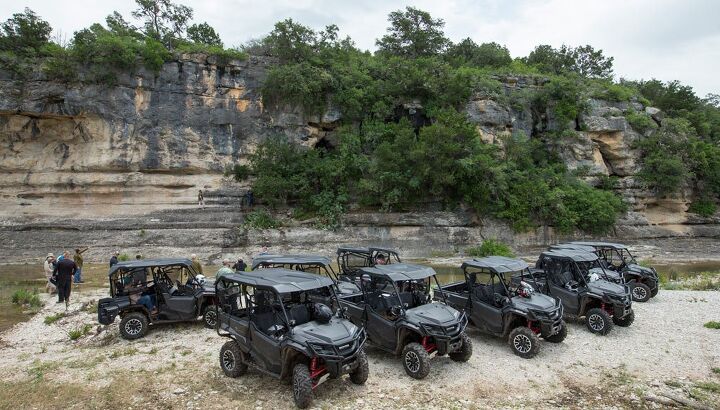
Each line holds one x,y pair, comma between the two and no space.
361,372
209,316
598,321
302,386
416,361
465,352
524,342
231,360
640,292
133,326
559,336
625,321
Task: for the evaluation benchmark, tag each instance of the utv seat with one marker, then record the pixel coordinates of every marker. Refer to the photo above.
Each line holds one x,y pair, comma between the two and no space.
406,298
299,313
263,321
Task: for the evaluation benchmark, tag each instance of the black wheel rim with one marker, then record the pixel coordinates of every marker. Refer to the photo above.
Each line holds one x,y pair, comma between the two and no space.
639,293
522,343
412,361
596,322
211,318
228,360
133,327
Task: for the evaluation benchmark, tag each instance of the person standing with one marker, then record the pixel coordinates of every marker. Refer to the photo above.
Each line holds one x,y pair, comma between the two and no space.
48,268
249,198
240,266
114,258
79,262
64,271
264,250
196,264
224,270
201,199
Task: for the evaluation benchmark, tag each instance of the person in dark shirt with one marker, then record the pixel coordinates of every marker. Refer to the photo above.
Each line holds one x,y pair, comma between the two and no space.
114,258
240,266
64,272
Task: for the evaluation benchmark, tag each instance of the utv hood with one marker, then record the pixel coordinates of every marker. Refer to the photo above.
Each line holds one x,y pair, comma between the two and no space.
432,314
338,330
602,287
536,302
641,270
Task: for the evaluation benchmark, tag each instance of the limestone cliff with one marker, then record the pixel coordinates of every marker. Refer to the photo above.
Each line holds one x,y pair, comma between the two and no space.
114,160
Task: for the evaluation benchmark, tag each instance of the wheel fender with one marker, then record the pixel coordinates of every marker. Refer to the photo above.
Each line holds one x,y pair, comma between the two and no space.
405,333
290,357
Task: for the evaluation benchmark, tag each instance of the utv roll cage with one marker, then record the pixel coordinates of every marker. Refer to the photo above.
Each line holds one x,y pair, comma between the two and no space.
304,263
498,266
399,272
350,258
576,257
606,250
123,274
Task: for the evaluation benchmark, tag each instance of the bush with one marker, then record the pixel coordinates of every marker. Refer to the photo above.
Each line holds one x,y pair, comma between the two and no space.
712,325
24,297
703,207
77,333
124,257
224,55
239,172
260,220
490,247
640,122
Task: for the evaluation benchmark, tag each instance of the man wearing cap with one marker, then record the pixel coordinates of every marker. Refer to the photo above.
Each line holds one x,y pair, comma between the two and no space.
114,258
48,268
225,270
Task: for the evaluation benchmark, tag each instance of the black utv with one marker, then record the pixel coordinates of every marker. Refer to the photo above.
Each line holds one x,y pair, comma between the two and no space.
277,324
396,308
319,265
643,281
351,258
581,283
499,306
153,291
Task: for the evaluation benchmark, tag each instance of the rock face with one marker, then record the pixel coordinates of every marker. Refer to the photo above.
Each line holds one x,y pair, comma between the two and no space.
114,160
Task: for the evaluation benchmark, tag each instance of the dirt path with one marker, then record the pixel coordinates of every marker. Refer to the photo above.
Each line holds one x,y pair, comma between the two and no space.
666,351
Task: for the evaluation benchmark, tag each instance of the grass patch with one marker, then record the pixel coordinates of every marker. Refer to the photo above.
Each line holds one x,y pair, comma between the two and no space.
490,247
49,320
673,383
712,325
712,387
38,369
79,332
716,370
701,281
260,219
128,351
24,297
84,363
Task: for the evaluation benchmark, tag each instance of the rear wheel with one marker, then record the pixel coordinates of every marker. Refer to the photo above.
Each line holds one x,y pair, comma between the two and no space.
302,386
524,342
598,321
640,292
360,374
416,361
465,352
231,360
133,326
559,336
209,317
625,321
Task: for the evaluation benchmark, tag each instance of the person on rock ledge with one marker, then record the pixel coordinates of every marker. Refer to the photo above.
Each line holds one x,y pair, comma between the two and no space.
79,262
48,268
114,258
201,199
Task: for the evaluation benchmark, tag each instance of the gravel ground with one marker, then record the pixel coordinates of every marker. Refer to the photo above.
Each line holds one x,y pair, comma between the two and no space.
667,351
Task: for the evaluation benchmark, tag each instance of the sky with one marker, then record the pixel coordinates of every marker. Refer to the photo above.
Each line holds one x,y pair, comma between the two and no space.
663,39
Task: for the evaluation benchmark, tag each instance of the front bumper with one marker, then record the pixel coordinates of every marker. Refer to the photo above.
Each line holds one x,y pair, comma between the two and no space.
447,339
340,359
551,323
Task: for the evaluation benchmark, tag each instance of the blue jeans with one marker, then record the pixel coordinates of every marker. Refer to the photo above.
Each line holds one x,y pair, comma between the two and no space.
78,275
148,301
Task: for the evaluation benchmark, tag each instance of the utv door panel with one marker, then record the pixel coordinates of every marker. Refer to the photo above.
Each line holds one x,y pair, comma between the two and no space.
380,330
265,350
183,306
487,317
569,298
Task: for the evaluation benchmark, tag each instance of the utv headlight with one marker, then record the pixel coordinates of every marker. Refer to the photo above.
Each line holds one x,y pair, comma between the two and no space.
322,349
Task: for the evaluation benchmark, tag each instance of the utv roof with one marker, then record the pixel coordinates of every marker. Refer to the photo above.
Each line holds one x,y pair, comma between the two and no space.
149,263
573,246
400,271
575,255
290,260
359,249
280,280
499,264
601,244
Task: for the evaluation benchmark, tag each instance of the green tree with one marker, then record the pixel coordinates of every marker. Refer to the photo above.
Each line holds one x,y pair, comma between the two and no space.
164,20
484,55
584,60
118,26
24,33
204,34
413,33
291,42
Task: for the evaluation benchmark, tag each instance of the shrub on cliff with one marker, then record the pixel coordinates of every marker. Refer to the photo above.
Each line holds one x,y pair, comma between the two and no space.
490,247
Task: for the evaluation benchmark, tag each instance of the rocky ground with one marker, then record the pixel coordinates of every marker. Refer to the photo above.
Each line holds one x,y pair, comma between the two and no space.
666,358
